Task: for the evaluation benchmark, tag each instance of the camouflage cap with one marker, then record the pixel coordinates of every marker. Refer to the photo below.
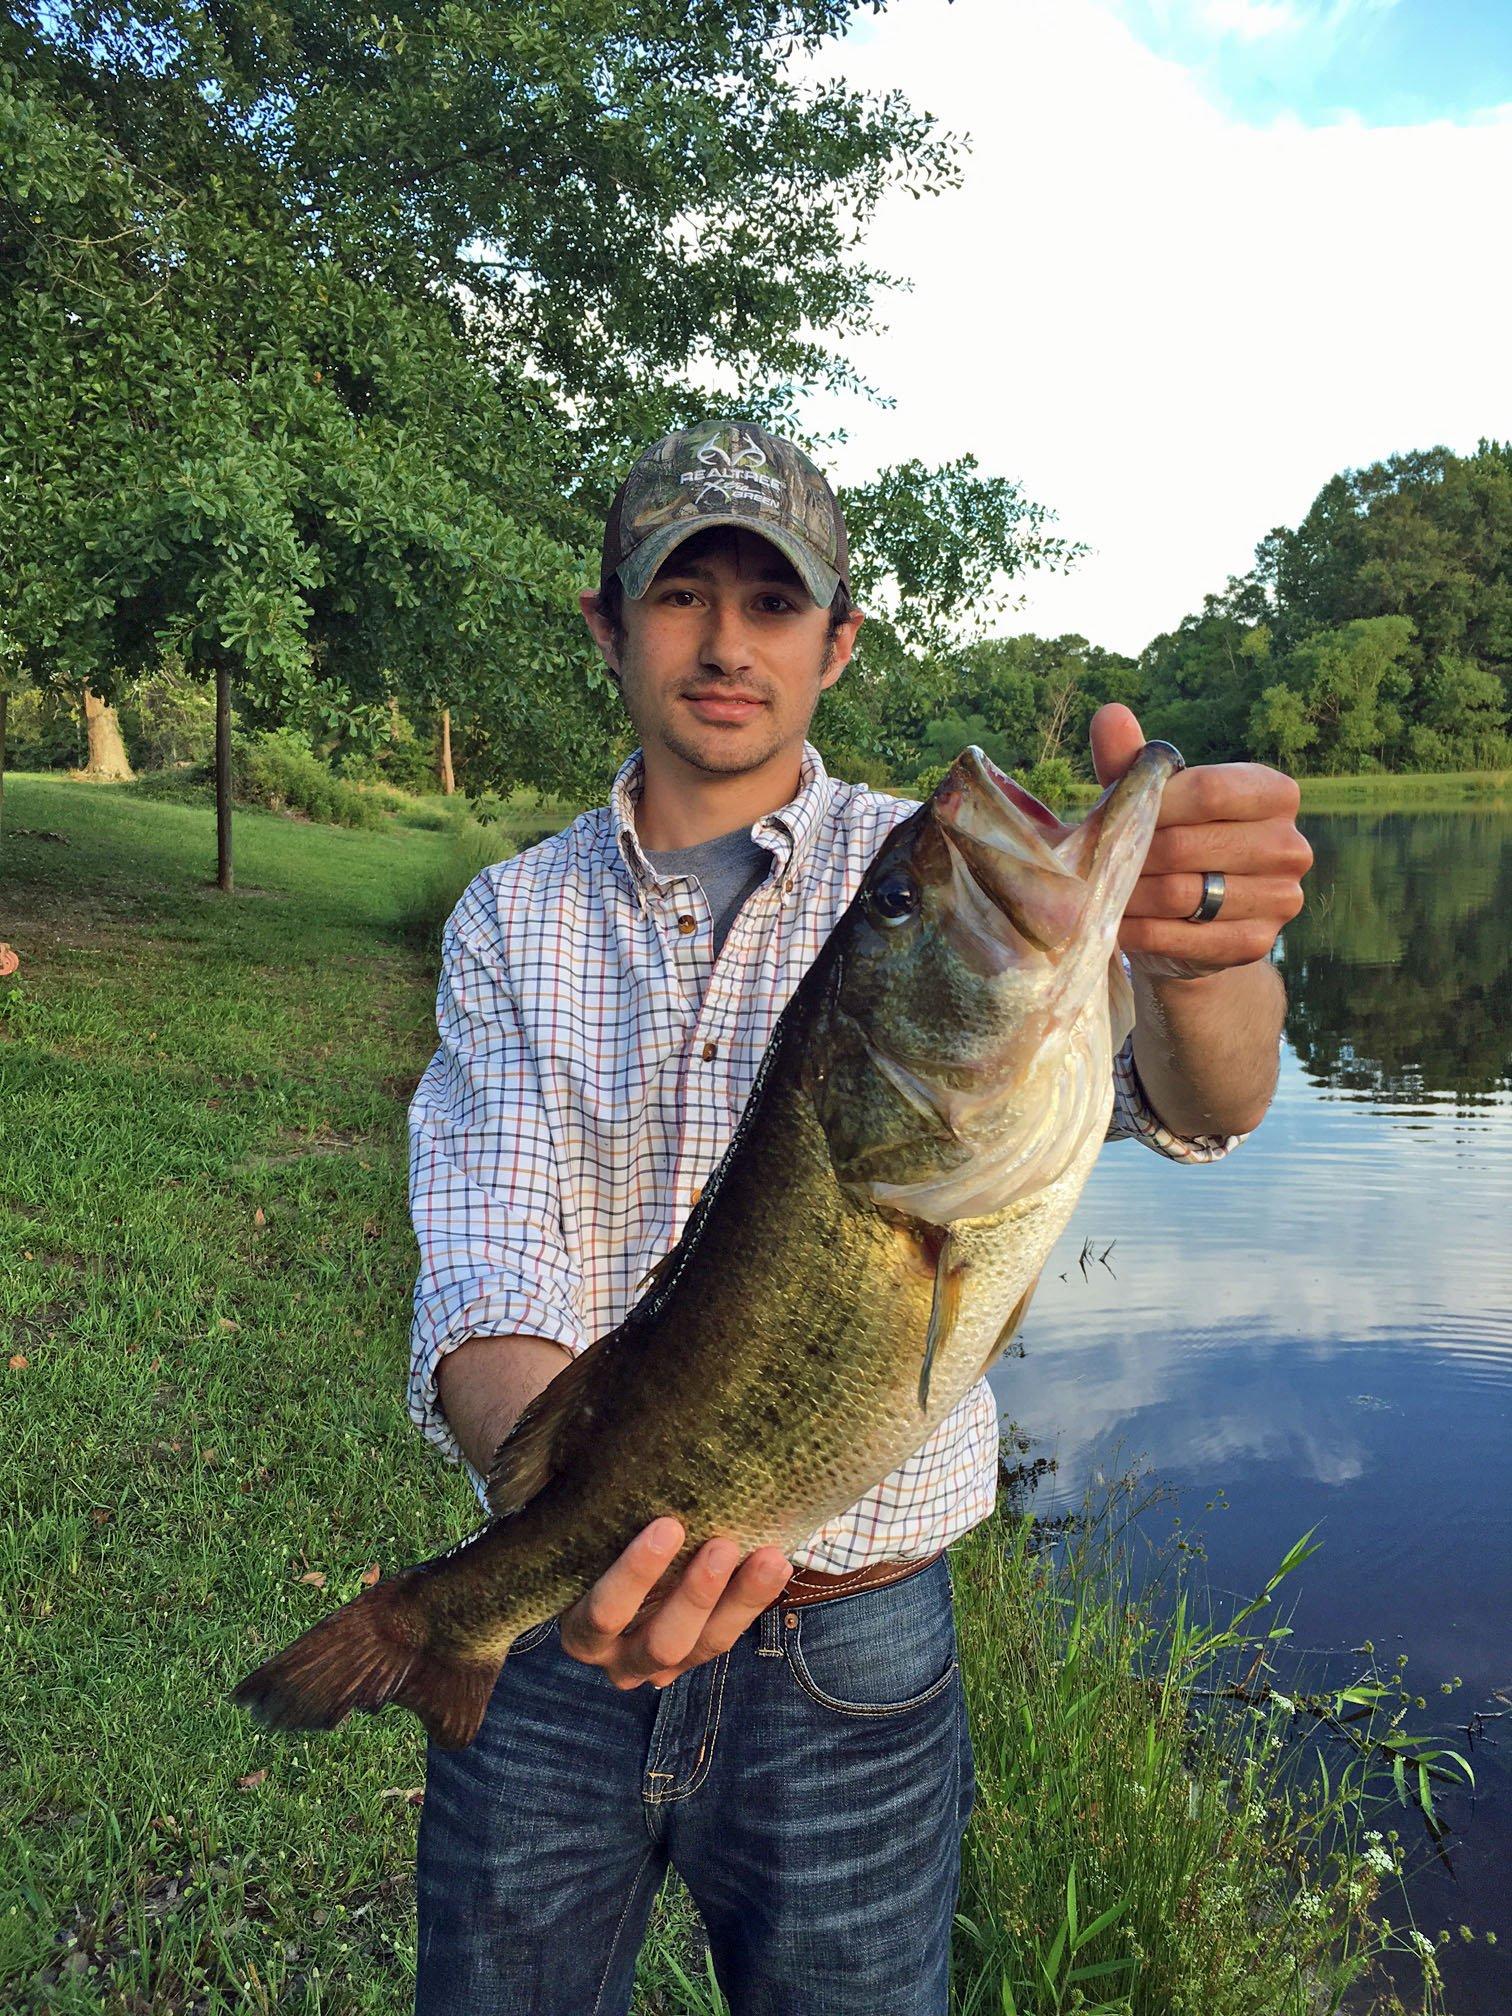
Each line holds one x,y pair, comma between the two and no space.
725,472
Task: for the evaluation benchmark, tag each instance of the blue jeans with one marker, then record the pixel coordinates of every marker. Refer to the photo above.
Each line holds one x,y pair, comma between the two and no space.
810,1787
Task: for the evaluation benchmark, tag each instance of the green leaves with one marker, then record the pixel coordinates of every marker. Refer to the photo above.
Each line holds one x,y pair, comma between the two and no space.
1377,634
324,341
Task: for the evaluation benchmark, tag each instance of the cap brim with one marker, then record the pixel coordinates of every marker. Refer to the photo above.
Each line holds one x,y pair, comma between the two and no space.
637,571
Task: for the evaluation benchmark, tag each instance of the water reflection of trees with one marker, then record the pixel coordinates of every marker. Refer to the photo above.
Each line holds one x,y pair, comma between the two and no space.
1399,968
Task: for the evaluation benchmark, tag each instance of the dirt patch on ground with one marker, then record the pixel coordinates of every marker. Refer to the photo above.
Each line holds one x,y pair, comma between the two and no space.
300,1147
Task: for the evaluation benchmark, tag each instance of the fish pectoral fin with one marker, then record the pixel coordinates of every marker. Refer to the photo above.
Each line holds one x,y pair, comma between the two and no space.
1009,1330
536,1447
942,1311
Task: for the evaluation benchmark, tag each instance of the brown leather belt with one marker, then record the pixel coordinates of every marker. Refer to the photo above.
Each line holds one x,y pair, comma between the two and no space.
812,1585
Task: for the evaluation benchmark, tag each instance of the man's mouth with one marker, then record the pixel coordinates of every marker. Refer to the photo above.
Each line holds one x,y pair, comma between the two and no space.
731,707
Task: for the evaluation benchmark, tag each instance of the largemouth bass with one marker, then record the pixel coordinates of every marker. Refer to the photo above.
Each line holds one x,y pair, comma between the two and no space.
921,1124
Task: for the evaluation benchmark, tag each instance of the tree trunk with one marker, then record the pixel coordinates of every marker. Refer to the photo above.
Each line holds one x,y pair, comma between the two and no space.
4,710
224,875
108,762
444,771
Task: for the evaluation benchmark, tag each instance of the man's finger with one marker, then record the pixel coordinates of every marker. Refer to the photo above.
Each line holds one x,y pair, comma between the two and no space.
1215,791
598,1617
1175,897
1208,947
1116,740
756,1583
668,1635
1244,847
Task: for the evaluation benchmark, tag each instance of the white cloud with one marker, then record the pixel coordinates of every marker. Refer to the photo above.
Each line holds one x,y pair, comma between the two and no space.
1256,20
1172,327
1249,20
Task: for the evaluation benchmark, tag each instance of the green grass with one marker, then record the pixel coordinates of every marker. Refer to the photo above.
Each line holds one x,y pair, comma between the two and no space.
205,1268
1380,791
1428,791
1375,791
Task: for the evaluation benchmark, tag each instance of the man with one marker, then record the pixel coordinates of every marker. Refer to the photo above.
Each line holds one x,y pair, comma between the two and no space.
605,999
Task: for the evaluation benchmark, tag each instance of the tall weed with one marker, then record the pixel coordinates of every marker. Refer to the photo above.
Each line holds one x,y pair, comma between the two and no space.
473,847
1160,1830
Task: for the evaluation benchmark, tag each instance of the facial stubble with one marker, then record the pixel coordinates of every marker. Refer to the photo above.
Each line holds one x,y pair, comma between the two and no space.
737,755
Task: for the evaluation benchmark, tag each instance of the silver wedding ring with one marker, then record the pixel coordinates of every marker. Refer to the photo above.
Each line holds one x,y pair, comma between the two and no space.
1214,889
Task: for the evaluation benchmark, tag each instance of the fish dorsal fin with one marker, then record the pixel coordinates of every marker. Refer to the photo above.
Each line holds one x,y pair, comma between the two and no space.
943,1310
536,1447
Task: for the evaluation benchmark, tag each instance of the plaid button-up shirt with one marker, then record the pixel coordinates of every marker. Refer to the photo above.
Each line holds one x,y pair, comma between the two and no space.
594,1058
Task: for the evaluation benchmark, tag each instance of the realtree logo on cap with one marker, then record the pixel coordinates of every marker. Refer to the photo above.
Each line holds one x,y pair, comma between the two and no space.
725,473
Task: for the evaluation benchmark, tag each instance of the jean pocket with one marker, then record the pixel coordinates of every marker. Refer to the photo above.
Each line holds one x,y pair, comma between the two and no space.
882,1652
528,1640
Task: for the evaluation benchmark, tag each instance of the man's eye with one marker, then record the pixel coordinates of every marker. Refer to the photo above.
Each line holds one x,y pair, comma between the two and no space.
774,604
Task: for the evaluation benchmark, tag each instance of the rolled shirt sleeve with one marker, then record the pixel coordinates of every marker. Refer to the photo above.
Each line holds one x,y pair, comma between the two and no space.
484,1191
1135,1119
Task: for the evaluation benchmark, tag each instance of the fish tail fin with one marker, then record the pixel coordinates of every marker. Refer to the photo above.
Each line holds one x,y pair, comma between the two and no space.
373,1651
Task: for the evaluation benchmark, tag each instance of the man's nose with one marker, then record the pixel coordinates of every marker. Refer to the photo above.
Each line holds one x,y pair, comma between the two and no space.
726,644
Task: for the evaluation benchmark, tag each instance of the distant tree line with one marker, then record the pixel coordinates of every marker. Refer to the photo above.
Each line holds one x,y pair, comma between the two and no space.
1377,635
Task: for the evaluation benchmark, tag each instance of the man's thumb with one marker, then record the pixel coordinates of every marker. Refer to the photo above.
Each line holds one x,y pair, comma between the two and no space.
1116,740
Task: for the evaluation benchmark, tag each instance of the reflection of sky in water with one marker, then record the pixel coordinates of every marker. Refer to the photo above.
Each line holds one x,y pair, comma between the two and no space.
1322,1325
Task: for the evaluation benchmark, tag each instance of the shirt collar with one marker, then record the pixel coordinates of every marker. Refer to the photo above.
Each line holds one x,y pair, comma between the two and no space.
789,832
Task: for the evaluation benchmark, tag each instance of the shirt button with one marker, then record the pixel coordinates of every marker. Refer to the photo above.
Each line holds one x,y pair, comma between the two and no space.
687,924
710,1052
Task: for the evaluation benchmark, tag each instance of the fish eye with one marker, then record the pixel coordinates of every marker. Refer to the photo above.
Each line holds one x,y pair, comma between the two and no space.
894,897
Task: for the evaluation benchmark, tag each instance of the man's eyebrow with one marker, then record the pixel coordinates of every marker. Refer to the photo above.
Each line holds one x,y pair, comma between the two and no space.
695,570
684,570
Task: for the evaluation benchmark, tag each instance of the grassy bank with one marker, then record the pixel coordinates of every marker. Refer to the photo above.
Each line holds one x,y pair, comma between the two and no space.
1432,791
1376,791
204,1268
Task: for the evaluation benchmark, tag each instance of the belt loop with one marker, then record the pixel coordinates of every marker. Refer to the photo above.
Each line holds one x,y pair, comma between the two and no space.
769,1640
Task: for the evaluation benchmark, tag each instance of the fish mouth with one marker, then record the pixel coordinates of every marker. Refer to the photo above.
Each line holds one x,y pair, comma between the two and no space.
1048,877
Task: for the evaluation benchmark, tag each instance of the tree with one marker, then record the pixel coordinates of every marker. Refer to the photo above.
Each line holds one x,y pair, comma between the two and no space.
445,775
935,552
107,762
1351,682
322,337
1462,715
1279,729
1202,679
1426,535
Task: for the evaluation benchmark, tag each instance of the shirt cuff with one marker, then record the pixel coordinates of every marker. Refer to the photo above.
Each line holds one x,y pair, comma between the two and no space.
479,1312
1134,1118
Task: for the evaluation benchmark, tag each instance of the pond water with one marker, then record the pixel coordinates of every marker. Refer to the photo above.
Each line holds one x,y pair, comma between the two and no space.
1321,1326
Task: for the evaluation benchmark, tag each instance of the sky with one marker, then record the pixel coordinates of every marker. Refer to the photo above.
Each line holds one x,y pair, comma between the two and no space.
1206,254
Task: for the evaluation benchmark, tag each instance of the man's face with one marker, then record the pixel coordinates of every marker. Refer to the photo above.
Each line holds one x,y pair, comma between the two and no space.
724,657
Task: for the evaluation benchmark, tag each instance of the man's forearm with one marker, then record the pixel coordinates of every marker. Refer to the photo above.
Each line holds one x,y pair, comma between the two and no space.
1206,1050
487,1383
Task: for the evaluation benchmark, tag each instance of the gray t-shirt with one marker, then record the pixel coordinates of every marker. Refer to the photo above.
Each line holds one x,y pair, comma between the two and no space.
729,869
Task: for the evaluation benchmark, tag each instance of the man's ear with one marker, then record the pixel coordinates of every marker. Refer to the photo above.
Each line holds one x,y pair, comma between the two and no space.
600,628
842,644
